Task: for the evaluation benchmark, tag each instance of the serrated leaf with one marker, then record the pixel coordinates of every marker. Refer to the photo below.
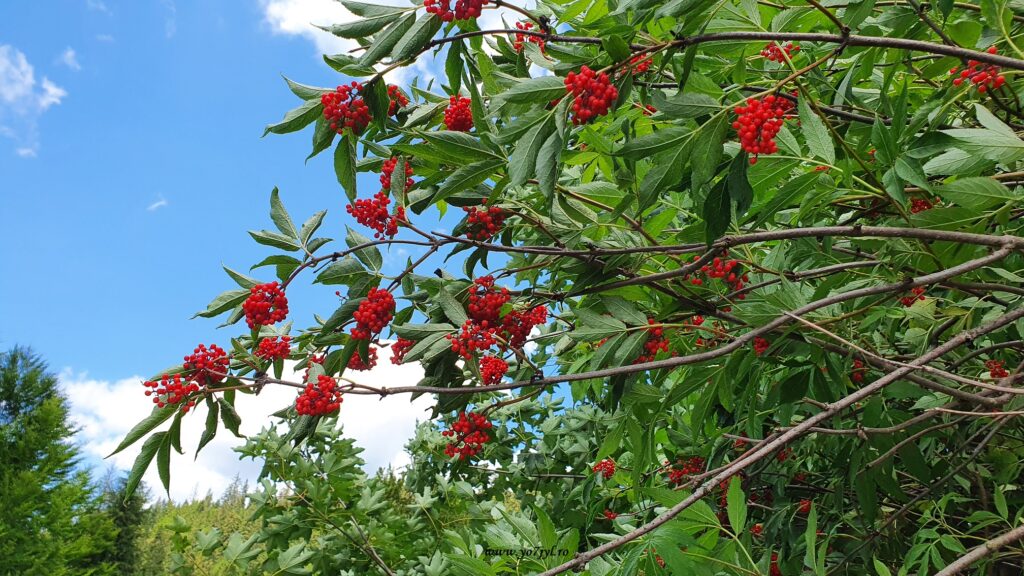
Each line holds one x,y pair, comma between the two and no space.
416,37
275,240
229,416
362,28
977,193
345,166
370,255
384,42
451,307
157,417
297,118
543,89
819,141
649,144
340,272
163,463
143,460
212,415
736,502
311,226
467,177
738,185
685,104
717,213
523,162
223,302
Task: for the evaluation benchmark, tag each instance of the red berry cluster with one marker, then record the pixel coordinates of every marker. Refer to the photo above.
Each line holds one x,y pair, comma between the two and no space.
656,342
356,362
760,345
206,365
492,370
485,301
774,53
804,508
685,468
740,445
464,9
319,398
640,63
397,100
276,348
605,468
517,325
471,338
915,295
996,369
774,569
399,349
388,168
757,529
784,454
458,116
726,270
983,77
857,374
373,314
758,122
313,359
172,389
373,213
483,223
922,204
468,434
265,305
593,94
520,38
608,514
514,328
344,108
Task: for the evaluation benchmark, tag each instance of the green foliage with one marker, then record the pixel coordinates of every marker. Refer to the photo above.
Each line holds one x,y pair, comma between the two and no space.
801,352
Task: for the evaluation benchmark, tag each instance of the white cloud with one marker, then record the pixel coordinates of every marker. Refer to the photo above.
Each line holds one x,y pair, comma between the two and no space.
69,59
157,205
26,152
104,37
22,101
52,94
301,17
171,21
105,411
97,6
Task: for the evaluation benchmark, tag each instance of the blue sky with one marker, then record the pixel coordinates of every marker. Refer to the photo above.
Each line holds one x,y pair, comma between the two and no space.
123,199
132,165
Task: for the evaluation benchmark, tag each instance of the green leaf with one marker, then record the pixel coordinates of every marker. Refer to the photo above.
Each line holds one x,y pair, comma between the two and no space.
268,238
370,256
212,414
311,226
345,165
223,302
548,163
342,271
736,502
362,28
294,559
649,144
297,118
535,90
451,307
386,41
306,92
157,417
143,460
229,416
591,326
707,150
522,163
163,463
994,145
459,146
468,177
880,568
977,193
819,141
737,184
417,37
371,10
420,331
616,47
717,213
684,104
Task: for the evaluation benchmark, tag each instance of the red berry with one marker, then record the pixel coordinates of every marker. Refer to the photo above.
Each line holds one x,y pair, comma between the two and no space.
206,366
397,100
276,348
656,342
915,295
399,349
468,435
922,204
343,108
266,305
640,63
388,168
760,345
757,529
520,38
774,53
356,362
373,314
996,369
483,223
319,398
172,389
804,508
605,468
593,94
983,77
373,213
608,514
458,116
492,369
758,122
